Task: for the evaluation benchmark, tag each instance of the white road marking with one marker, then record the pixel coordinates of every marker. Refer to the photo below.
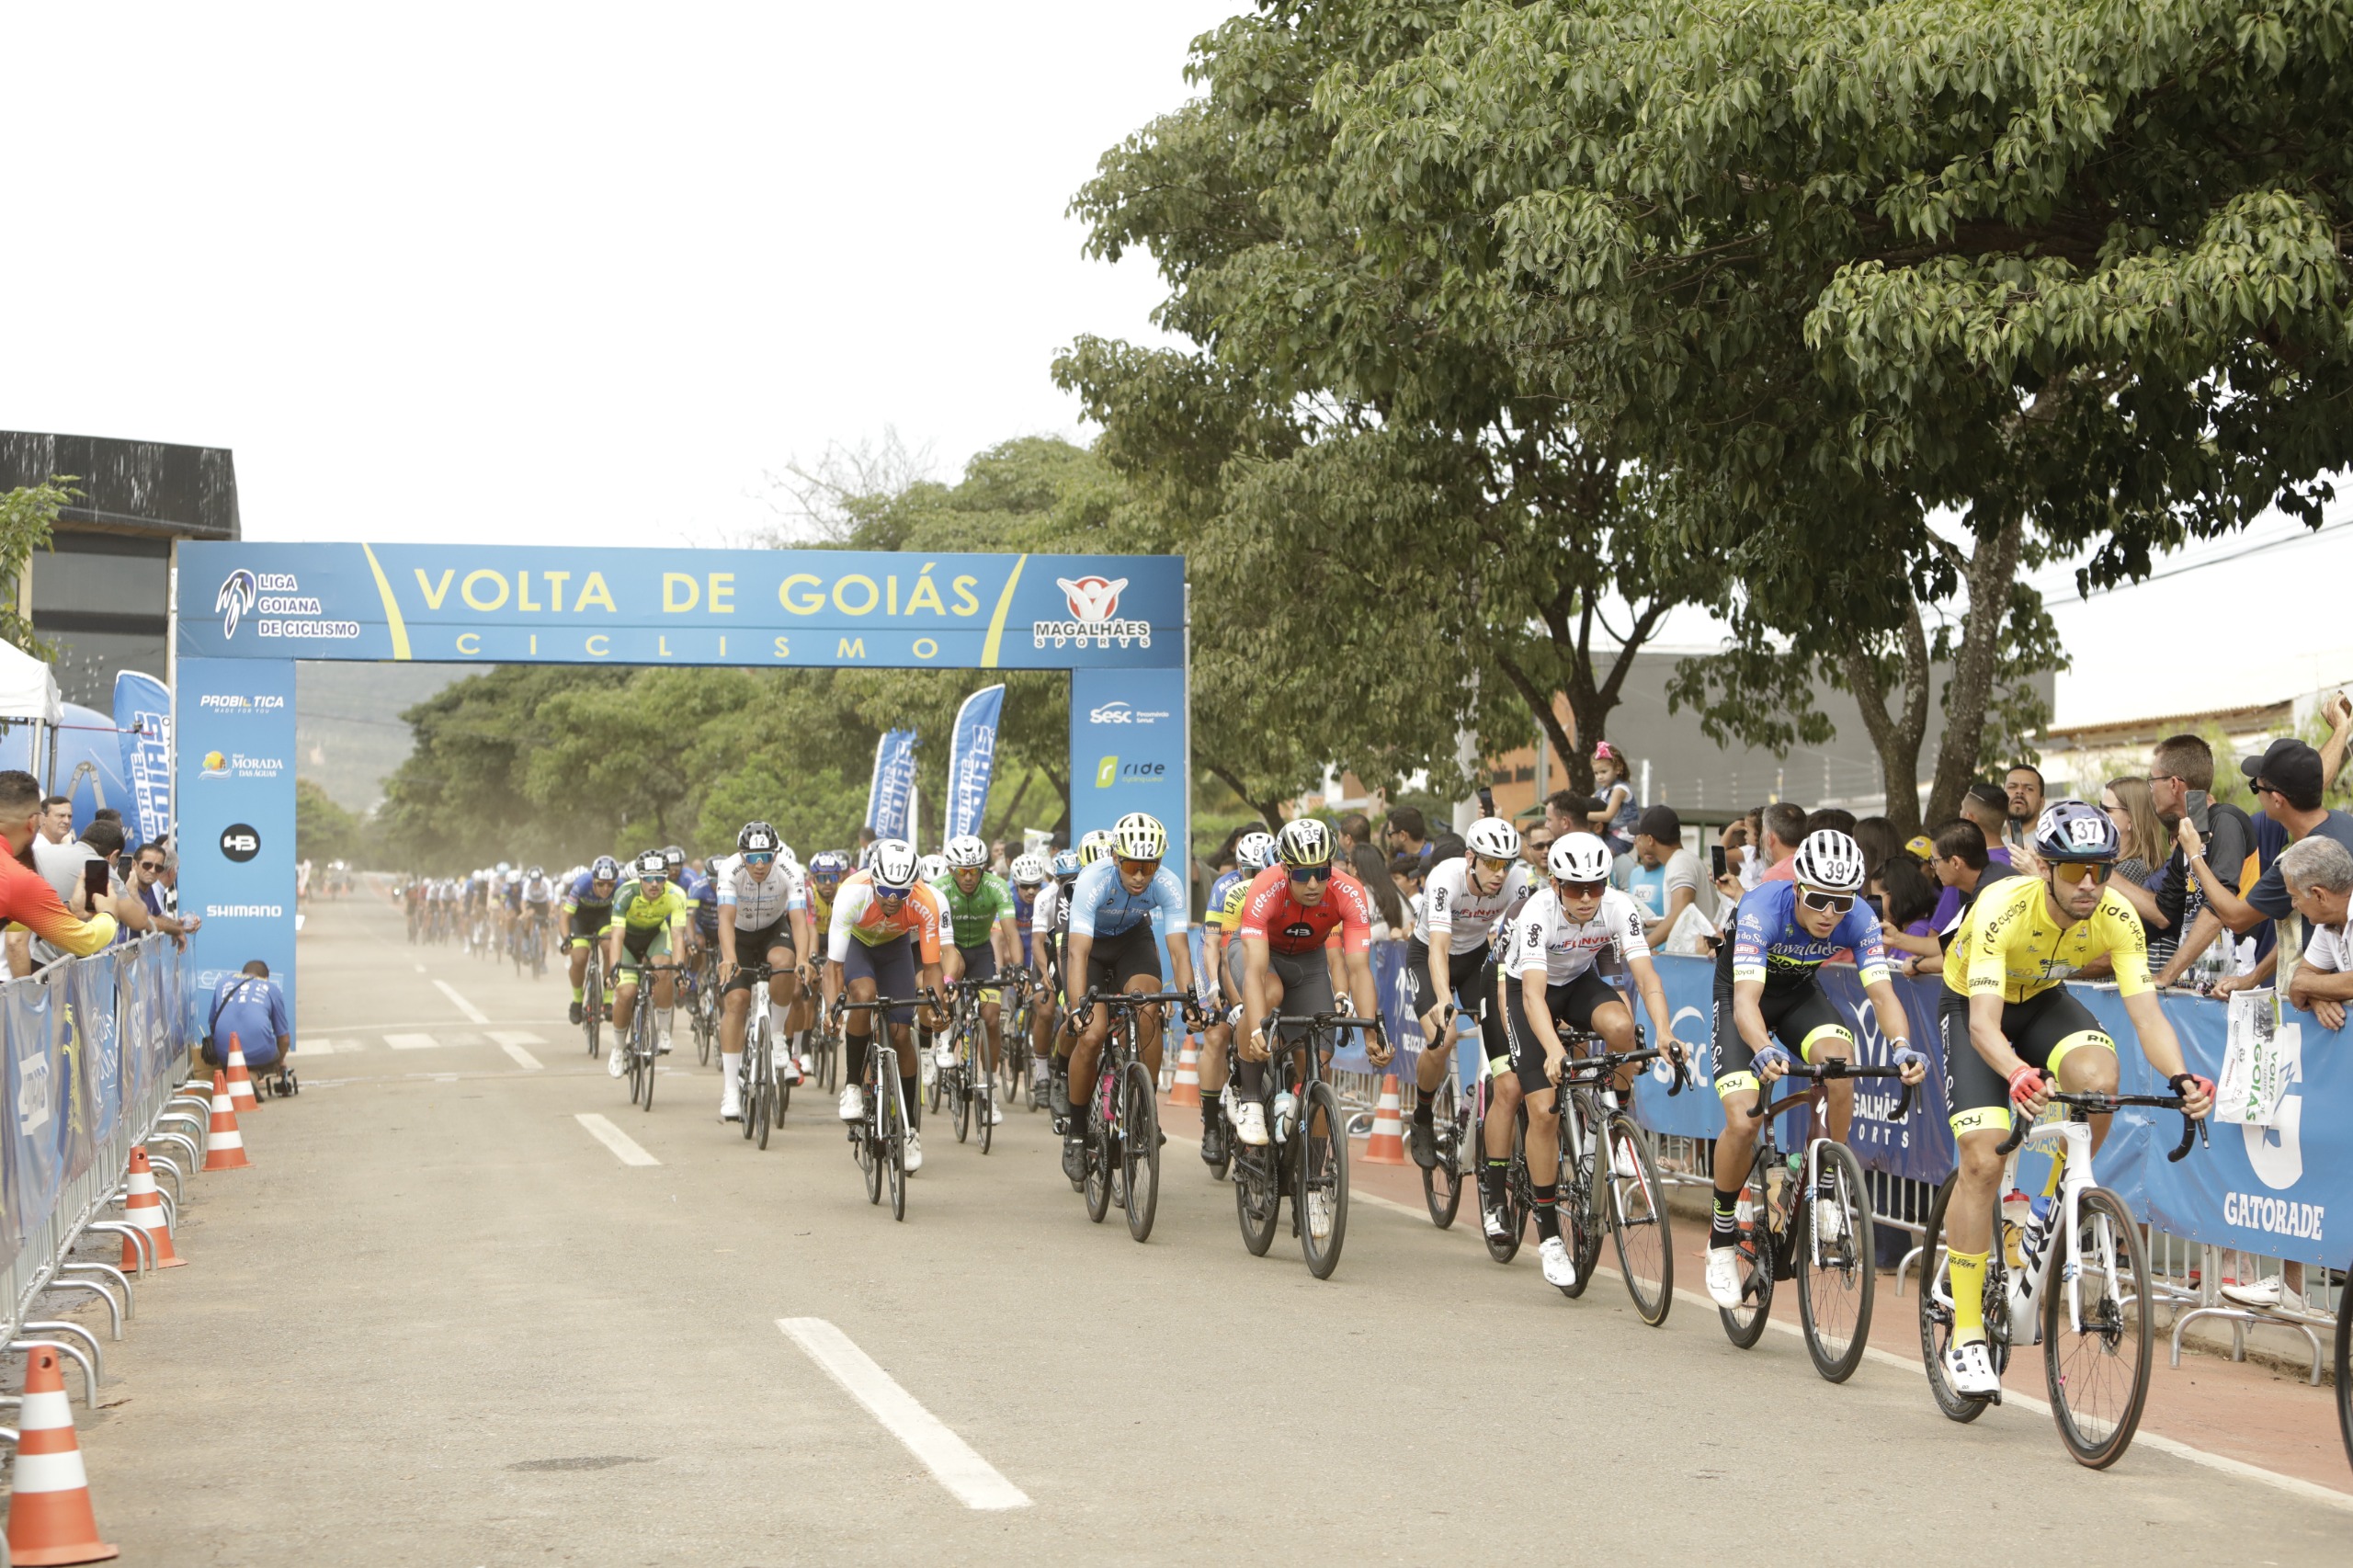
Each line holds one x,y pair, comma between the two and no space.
472,1013
613,1138
975,1482
522,1058
512,1042
324,1047
411,1042
420,969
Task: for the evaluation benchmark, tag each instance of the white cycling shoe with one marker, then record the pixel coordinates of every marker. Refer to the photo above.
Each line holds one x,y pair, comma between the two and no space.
1621,1160
662,1043
1560,1268
1320,1209
853,1102
1250,1123
615,1058
1830,1220
997,1114
789,1069
1724,1277
731,1102
915,1151
944,1057
1970,1369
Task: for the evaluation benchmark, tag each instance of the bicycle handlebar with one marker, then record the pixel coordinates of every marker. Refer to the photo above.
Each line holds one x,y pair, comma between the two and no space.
2193,1129
1822,1073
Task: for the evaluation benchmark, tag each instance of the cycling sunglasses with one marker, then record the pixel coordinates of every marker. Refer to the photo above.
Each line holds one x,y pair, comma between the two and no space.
1311,873
1579,889
1835,902
1128,865
2075,873
768,860
1489,863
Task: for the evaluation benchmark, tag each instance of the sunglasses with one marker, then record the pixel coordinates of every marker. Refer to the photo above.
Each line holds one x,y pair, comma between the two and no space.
1311,873
1489,863
1579,889
1814,898
759,860
2075,873
1128,865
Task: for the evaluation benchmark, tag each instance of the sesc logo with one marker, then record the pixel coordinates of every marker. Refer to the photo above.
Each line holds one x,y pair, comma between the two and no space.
240,842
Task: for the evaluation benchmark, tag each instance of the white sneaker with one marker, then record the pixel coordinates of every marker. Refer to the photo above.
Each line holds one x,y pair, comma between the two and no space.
1560,1268
915,1151
1319,1215
2271,1293
1971,1371
853,1102
1724,1277
615,1057
1830,1220
1250,1123
731,1102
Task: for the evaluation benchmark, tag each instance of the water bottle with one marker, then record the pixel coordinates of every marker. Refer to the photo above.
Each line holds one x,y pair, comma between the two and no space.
1285,1112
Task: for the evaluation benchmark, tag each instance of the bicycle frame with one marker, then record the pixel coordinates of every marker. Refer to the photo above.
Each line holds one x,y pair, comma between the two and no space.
1769,1151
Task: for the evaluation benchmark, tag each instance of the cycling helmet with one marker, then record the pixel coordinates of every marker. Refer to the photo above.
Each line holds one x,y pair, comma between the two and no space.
1305,841
758,839
1255,851
866,856
965,851
651,867
605,870
895,865
1579,857
935,868
828,865
1029,870
1094,847
1064,864
2071,830
1139,837
505,867
535,873
1832,861
674,857
1492,838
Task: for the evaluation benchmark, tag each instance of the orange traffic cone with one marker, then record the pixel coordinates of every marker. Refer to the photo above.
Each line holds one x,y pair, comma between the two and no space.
50,1518
145,1208
224,1146
241,1082
1187,1090
1387,1144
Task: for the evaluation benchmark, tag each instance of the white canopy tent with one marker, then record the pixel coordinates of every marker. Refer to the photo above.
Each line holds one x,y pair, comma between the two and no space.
27,687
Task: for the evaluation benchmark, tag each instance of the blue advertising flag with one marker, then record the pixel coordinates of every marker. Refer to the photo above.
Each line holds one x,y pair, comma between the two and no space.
893,788
143,711
972,759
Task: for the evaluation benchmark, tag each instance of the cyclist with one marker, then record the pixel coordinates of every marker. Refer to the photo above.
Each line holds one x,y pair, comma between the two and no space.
884,941
539,901
1030,879
982,938
1116,906
1772,1013
648,921
766,920
2009,1025
1465,900
587,910
819,884
934,870
1049,1022
1555,942
510,910
1221,989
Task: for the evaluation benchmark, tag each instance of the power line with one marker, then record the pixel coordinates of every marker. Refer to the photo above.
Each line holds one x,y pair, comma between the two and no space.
2302,536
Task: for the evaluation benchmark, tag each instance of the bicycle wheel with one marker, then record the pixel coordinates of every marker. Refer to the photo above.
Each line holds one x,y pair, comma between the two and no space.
1834,1288
700,1023
1506,1248
1258,1198
2096,1356
1638,1220
592,1006
1099,1155
1442,1185
1745,1324
954,1084
626,1044
1323,1180
1140,1151
1936,1308
645,1039
868,1149
1577,1201
984,1105
894,1150
747,1075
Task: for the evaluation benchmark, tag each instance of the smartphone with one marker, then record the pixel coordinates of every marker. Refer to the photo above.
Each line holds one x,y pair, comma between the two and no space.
1716,860
2200,817
94,879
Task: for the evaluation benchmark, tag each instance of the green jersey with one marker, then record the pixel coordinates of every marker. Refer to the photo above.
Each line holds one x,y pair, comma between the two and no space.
971,915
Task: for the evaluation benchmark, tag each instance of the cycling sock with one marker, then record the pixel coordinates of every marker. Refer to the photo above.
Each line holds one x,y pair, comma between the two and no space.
661,1017
1211,1100
1723,1218
730,1065
854,1059
579,992
1826,1185
775,1023
1492,1174
1968,1270
908,1091
1422,1112
1548,1213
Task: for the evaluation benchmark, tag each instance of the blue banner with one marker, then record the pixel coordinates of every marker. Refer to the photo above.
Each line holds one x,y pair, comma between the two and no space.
143,711
891,790
1127,754
972,759
236,815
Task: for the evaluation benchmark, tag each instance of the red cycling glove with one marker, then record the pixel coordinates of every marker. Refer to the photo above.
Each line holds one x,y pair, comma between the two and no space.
2024,1083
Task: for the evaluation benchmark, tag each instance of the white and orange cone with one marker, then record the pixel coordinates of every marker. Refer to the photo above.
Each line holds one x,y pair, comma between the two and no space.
144,1207
1387,1144
50,1518
241,1082
224,1146
1187,1090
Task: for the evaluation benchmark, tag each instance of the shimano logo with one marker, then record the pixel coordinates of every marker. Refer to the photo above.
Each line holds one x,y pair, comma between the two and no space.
244,910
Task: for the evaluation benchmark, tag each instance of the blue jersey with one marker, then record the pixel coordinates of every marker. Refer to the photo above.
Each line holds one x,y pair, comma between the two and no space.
583,894
1770,944
704,897
1100,904
1025,911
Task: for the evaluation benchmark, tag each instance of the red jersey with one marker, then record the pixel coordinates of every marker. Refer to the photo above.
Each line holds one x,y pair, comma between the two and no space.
1286,926
31,902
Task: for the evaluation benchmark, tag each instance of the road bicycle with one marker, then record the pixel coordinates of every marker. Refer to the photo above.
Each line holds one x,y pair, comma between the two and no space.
1783,1240
1306,1154
531,948
1020,997
1121,1154
878,1139
592,997
699,998
2091,1311
642,1040
1455,1119
965,1083
760,1089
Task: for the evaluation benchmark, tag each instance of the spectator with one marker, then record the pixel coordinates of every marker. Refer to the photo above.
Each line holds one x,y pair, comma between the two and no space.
1409,876
1784,831
1964,863
1907,911
1875,837
1565,811
2287,778
1353,829
1388,904
1988,805
2023,785
57,856
1535,844
1407,833
1619,816
147,889
2318,874
250,1010
2145,843
1666,879
26,897
2181,773
1828,819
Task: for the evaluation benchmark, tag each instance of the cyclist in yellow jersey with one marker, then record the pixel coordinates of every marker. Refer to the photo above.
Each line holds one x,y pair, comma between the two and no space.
649,921
2007,1020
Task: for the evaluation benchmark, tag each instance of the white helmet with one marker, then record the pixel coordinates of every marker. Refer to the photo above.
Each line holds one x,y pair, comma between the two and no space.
1028,869
892,861
966,851
1139,837
1094,847
1255,851
506,868
1829,860
1580,857
935,868
1492,838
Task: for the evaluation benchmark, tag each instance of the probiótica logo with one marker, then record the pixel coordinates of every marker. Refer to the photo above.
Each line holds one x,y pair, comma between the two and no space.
240,842
1106,772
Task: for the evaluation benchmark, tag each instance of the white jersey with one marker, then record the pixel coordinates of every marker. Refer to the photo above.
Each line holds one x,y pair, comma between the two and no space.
758,901
538,890
1543,937
1452,902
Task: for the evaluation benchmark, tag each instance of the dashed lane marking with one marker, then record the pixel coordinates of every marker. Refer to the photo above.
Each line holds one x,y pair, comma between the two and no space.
623,1147
412,1041
975,1482
473,1014
512,1042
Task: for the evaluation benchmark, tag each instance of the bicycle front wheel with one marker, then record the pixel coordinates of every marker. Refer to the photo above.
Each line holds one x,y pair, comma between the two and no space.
2096,1335
645,1044
894,1146
1323,1180
1257,1197
1638,1219
1578,1194
1140,1151
1745,1324
1936,1306
1506,1248
1442,1183
1836,1270
2344,1368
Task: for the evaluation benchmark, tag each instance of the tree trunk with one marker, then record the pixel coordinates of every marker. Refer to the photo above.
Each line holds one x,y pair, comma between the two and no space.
1896,740
1539,703
1991,573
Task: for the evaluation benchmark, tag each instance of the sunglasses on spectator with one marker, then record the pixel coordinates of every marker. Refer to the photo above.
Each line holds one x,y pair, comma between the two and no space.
759,860
1311,873
1579,889
1836,902
2075,873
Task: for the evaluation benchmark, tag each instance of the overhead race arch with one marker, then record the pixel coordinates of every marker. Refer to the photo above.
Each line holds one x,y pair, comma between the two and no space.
244,613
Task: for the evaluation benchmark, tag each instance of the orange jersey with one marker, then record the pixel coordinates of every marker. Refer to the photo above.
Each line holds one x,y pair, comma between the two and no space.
28,900
858,914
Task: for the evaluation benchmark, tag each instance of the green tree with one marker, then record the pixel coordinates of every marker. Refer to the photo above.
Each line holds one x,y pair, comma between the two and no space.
28,520
323,831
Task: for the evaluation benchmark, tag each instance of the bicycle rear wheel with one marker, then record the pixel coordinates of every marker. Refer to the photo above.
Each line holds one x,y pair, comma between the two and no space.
895,1145
1323,1179
1098,1157
2344,1366
1506,1248
1638,1220
646,1040
2098,1369
1140,1151
1745,1324
1936,1307
1577,1196
1834,1288
592,1006
1257,1197
984,1105
868,1147
1442,1185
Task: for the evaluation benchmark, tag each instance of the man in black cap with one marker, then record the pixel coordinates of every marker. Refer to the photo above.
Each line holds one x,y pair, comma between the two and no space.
1665,879
2288,780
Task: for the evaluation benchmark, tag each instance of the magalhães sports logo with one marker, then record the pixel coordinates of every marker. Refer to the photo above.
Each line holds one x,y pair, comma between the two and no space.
1094,610
235,601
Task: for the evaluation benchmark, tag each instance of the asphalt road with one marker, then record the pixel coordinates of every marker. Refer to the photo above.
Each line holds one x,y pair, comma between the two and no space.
441,1324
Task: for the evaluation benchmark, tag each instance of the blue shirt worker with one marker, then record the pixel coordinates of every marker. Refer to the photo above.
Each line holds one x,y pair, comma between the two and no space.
249,1009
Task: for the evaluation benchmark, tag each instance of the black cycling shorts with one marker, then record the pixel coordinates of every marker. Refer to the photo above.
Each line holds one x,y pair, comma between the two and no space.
754,946
1115,960
588,923
2042,1029
1801,1018
1471,977
1571,1004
